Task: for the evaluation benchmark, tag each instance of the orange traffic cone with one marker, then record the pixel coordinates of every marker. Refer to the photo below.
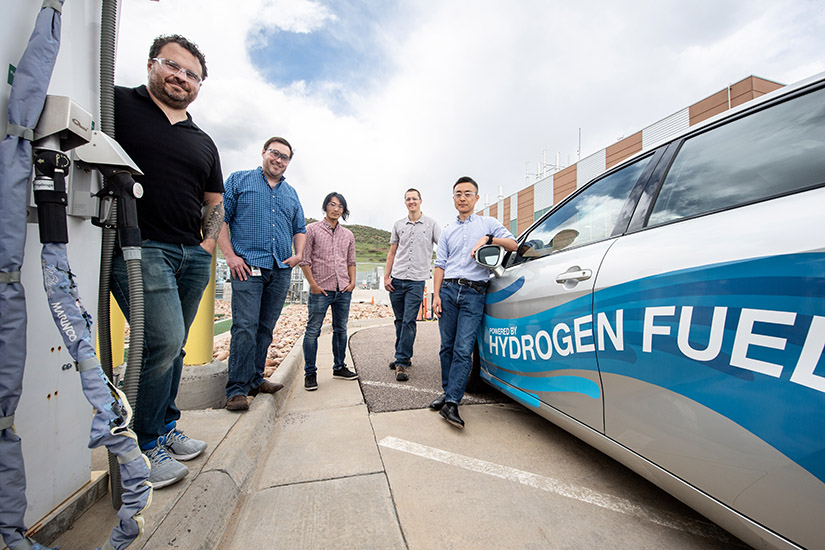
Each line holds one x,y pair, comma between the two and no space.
372,300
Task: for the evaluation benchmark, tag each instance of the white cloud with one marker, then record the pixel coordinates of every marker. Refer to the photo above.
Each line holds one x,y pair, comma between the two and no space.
301,16
472,87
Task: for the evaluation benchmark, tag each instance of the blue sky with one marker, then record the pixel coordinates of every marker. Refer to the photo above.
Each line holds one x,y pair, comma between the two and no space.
380,96
340,59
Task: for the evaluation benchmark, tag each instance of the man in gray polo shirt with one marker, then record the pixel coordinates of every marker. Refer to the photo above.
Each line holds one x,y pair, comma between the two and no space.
407,269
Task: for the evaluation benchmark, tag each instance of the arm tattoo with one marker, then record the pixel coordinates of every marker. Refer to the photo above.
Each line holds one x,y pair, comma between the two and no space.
212,220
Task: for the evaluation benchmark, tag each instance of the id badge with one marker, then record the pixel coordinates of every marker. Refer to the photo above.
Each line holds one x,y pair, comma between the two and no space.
256,271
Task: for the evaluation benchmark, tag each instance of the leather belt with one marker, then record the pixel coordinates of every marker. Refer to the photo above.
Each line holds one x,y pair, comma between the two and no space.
479,286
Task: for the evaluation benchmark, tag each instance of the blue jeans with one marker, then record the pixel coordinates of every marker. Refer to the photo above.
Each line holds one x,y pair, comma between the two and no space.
317,306
256,306
174,277
462,310
406,300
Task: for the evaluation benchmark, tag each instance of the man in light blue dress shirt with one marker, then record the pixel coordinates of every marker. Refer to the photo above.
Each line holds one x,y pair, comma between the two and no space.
265,223
460,289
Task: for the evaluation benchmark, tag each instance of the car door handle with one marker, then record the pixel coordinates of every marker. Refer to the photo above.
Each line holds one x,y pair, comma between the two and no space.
575,273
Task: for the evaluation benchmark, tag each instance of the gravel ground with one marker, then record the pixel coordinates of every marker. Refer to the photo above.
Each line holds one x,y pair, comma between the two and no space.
290,327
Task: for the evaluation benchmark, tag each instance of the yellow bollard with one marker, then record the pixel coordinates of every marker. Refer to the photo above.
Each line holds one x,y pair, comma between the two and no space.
117,323
201,339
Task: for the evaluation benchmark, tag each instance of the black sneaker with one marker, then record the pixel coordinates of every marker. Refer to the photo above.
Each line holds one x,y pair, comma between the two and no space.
310,382
344,374
392,365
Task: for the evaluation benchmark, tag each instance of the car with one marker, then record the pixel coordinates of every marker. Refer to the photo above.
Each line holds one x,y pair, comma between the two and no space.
671,313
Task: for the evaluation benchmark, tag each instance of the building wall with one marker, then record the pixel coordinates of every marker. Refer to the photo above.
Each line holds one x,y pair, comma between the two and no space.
732,96
525,209
564,183
534,200
627,147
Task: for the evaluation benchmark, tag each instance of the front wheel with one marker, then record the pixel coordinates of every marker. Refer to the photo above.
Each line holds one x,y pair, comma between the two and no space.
475,384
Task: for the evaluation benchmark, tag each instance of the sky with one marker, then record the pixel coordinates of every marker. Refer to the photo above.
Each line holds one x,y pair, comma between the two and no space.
380,96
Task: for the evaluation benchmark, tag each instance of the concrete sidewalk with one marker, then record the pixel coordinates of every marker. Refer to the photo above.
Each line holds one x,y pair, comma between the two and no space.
322,441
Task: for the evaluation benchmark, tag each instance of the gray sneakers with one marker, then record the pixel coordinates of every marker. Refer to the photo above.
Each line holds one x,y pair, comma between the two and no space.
182,447
164,470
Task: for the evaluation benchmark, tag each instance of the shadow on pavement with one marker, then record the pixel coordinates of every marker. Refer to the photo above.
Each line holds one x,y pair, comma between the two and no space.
372,350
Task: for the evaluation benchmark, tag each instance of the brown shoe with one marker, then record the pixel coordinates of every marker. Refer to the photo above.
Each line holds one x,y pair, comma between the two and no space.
401,373
237,403
266,387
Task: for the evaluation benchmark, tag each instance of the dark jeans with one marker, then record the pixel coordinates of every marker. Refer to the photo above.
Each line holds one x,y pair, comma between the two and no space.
317,306
174,277
462,310
256,306
406,300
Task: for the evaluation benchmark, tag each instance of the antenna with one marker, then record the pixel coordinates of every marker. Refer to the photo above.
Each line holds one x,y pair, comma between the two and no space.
579,152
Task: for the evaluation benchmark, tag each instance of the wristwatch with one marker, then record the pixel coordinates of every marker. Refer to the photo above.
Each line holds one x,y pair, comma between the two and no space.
489,238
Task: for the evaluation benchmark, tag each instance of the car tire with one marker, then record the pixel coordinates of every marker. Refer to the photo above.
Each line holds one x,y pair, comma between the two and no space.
475,384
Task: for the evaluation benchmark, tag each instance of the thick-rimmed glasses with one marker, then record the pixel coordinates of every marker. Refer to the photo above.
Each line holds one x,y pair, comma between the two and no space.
278,155
176,69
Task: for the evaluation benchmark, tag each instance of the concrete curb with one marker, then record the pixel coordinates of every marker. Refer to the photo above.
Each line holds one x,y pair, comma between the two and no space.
203,386
207,505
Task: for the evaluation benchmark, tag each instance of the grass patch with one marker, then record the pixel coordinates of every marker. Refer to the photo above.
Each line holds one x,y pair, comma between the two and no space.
222,326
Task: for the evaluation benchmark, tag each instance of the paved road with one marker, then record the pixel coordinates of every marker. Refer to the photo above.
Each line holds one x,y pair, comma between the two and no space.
373,349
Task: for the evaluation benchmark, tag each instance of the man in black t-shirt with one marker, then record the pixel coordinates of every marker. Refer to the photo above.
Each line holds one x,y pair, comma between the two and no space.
180,216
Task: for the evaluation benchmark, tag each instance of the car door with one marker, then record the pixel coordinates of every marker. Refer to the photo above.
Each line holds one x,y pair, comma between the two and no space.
538,339
720,283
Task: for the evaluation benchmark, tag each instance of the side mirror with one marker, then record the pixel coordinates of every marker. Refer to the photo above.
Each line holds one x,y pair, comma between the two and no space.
491,256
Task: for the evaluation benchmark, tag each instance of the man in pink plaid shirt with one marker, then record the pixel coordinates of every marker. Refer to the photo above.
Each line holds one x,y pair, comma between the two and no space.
329,267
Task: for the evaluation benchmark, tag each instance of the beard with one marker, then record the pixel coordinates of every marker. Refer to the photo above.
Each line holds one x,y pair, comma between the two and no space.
170,96
272,173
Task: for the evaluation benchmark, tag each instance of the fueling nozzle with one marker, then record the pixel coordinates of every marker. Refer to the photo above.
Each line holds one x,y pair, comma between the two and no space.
50,196
120,186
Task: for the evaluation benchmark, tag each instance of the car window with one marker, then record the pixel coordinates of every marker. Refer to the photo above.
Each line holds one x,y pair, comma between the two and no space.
588,217
771,152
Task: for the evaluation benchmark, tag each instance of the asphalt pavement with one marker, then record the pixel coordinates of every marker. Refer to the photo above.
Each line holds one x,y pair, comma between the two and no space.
373,350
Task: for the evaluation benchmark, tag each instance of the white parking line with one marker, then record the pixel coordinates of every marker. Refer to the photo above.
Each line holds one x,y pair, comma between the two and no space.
399,387
561,488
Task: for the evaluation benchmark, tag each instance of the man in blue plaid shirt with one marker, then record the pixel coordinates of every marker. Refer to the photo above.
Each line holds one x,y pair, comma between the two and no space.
262,240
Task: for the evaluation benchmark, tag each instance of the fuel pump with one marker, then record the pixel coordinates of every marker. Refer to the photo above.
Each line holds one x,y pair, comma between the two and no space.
111,425
41,132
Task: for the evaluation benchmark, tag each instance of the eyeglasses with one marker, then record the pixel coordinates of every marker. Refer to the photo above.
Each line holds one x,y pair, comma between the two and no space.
278,155
335,206
465,194
176,69
411,199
